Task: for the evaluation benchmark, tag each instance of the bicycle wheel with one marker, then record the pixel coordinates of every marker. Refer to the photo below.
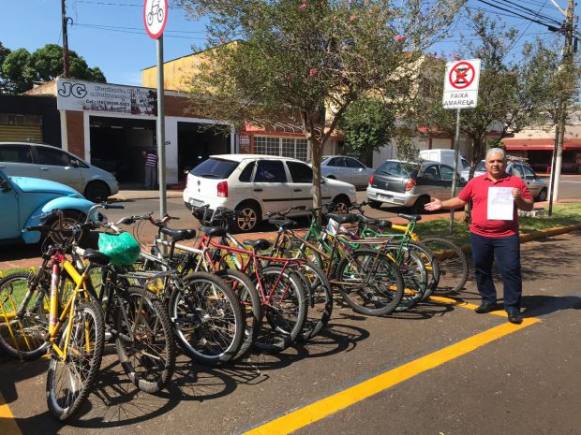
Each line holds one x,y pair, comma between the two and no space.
452,262
70,380
431,265
23,317
369,283
207,318
319,300
285,311
413,272
144,339
249,303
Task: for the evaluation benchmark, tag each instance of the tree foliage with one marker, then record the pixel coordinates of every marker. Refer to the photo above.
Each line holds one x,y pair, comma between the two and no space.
20,69
367,125
305,62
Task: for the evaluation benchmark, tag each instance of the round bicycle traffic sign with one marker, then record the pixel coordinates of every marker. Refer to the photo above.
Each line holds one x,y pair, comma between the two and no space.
461,75
155,17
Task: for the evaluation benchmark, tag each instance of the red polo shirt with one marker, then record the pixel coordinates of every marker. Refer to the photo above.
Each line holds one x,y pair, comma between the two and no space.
477,191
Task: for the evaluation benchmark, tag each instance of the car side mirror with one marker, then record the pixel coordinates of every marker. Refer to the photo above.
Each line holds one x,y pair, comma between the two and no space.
5,186
75,163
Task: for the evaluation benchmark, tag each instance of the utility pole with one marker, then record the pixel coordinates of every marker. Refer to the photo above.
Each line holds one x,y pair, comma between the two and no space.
64,23
566,74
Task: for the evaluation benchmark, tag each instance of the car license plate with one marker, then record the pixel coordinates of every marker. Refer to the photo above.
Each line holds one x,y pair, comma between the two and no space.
196,203
385,197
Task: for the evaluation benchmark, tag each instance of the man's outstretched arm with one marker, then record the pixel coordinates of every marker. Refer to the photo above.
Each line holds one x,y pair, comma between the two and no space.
436,204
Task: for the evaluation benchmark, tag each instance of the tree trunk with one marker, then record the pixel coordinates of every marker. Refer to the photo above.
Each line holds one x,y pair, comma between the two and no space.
316,152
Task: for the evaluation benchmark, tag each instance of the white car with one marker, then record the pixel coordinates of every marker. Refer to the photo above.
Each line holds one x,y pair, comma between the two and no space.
22,159
255,185
346,169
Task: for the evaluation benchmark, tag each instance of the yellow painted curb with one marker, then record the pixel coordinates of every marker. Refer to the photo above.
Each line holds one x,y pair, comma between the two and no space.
8,425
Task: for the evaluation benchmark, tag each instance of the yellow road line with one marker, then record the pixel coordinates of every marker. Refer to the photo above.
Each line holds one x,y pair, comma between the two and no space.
8,424
461,304
325,407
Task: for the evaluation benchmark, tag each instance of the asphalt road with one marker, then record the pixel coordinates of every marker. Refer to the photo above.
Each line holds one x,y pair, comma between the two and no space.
524,382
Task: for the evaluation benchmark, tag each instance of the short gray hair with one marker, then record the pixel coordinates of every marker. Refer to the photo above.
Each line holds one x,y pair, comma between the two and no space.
492,151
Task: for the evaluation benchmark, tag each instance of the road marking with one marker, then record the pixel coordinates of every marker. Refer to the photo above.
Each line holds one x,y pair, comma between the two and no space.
461,304
8,424
330,405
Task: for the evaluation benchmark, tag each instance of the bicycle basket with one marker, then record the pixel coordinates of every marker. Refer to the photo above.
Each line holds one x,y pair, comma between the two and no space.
122,249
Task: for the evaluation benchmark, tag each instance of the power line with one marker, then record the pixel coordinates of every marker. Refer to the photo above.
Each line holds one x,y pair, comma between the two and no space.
536,14
550,26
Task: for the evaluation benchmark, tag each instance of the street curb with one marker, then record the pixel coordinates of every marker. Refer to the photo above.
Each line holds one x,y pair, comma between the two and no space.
121,198
536,235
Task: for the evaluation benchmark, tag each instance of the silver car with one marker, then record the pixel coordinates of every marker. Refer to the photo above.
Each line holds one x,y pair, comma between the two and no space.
50,163
346,169
410,184
537,186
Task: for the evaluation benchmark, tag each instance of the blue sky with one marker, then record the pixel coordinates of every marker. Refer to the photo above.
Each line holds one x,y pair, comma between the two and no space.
123,49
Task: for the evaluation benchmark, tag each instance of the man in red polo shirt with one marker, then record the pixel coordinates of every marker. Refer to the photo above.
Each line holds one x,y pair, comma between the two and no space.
495,198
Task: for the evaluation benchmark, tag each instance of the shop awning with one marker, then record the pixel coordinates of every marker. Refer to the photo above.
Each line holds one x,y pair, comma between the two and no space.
545,144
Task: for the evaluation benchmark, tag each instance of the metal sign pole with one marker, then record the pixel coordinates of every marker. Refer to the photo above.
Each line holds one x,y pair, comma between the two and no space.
160,127
455,174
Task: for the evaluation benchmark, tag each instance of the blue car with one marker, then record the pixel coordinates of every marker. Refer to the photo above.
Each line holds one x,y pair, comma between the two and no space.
24,201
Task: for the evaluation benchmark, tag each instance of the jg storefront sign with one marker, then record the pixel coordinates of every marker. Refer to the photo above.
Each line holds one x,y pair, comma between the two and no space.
79,95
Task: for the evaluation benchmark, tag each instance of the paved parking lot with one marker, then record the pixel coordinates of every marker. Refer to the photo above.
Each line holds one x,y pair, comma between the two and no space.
440,368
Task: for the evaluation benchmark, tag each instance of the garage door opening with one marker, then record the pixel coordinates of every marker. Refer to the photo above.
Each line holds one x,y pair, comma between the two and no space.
117,145
196,142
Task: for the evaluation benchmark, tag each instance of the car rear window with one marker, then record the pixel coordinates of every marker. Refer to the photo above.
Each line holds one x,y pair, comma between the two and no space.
15,153
397,169
215,168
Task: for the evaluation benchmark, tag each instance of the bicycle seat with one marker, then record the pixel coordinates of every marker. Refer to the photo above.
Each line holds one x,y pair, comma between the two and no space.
258,244
379,223
96,257
343,218
281,222
177,235
213,231
411,217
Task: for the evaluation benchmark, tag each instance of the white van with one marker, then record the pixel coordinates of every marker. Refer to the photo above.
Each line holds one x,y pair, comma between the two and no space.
445,156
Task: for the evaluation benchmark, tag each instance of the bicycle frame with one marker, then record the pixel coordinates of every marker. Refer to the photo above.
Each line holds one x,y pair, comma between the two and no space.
61,265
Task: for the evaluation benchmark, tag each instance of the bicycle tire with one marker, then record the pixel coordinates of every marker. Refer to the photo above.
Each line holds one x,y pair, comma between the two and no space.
191,326
250,305
136,355
453,265
31,328
413,272
430,263
65,411
283,330
319,300
386,290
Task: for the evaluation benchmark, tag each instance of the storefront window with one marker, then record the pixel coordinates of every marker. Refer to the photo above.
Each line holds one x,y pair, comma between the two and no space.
277,146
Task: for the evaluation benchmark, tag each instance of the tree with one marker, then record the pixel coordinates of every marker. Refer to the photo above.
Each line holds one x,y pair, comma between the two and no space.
367,125
20,69
512,95
306,61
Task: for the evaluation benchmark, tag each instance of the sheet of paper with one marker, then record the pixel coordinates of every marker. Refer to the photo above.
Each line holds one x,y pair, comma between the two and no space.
500,204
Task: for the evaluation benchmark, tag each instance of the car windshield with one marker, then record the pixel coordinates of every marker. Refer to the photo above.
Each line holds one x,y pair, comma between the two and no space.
481,166
215,168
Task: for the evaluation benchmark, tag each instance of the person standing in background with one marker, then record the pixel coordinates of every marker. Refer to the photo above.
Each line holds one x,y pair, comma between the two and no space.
150,169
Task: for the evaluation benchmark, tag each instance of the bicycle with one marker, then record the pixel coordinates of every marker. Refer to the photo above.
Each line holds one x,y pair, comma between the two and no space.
367,281
71,324
204,311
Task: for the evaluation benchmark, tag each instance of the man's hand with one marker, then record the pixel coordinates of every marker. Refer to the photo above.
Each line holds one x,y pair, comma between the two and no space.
516,193
435,205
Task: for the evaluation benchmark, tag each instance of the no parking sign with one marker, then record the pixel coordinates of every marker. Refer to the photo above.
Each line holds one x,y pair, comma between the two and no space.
461,84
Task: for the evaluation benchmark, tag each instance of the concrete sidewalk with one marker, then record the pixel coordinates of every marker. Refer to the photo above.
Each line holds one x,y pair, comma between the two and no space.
131,195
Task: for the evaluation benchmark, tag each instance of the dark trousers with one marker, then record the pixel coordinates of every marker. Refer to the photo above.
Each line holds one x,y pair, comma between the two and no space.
506,252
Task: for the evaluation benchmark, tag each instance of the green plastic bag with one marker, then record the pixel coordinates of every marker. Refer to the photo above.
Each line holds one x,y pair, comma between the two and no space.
122,249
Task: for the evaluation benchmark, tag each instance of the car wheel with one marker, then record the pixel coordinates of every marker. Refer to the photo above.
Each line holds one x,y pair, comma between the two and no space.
341,205
97,191
542,196
375,204
61,229
247,217
418,207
